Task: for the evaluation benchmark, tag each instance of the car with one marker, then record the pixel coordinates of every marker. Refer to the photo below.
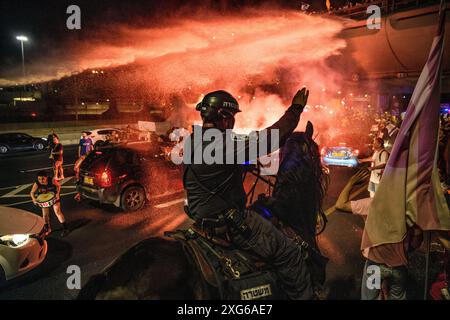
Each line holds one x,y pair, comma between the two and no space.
340,156
100,137
127,176
15,141
21,246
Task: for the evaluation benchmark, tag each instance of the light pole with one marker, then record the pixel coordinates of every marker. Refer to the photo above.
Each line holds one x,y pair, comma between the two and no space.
22,39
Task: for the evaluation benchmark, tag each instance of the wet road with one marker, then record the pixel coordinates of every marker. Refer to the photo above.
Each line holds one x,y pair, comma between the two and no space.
101,233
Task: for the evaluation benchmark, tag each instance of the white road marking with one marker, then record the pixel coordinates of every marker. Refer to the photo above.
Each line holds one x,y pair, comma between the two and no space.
170,203
66,180
13,194
7,188
166,194
28,201
47,168
17,189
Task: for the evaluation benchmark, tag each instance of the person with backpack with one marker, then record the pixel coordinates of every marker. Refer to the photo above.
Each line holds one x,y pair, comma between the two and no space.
378,163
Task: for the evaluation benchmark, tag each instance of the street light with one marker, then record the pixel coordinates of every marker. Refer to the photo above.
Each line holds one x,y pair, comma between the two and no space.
22,39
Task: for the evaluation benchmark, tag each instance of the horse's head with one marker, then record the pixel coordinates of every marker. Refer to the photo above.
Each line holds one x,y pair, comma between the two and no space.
300,148
301,182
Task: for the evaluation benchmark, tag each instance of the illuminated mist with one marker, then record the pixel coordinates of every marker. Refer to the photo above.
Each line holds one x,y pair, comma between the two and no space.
260,56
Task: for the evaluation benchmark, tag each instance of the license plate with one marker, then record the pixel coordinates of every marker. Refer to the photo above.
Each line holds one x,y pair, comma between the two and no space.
89,180
338,154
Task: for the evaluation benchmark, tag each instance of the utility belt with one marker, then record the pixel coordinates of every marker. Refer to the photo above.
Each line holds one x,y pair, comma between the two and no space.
231,221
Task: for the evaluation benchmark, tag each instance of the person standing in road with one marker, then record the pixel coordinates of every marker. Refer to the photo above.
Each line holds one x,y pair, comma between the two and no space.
50,144
57,158
86,145
44,185
378,163
394,272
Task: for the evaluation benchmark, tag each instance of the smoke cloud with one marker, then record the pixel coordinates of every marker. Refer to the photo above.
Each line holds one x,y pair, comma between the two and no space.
261,56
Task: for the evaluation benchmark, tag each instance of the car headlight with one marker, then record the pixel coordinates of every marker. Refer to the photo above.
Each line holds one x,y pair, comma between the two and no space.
14,240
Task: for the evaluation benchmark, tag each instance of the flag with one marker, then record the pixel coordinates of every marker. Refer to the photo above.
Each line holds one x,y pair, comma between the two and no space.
409,191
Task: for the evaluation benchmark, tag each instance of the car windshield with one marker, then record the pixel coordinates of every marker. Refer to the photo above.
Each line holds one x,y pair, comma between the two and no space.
105,132
22,135
97,156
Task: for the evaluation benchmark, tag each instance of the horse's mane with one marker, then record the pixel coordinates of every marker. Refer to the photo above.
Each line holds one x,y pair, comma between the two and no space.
301,185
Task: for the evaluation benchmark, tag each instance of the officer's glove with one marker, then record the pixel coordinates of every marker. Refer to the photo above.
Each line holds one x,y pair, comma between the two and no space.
300,99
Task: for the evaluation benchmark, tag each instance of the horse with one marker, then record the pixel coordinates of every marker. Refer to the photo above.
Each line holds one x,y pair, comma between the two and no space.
158,268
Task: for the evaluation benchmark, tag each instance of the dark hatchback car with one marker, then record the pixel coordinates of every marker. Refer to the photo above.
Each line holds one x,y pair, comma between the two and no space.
10,142
127,176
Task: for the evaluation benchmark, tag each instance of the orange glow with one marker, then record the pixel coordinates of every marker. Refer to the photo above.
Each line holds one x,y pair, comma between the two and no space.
261,56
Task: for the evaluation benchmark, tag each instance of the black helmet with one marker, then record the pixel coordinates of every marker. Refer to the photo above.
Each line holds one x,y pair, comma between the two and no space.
216,105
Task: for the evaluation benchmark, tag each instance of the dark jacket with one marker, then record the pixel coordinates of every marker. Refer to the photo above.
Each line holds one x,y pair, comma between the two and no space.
225,180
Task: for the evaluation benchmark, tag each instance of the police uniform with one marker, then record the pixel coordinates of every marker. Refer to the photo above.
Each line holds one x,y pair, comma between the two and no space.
216,198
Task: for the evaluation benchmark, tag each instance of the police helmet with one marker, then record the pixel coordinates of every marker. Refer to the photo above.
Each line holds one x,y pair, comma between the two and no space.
216,105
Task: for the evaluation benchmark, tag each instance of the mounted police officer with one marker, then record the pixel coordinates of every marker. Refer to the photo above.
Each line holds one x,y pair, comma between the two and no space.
216,195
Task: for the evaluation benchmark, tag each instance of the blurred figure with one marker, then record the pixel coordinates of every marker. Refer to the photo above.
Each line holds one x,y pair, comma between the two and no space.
394,278
382,131
444,154
86,145
50,140
57,158
378,163
393,131
76,169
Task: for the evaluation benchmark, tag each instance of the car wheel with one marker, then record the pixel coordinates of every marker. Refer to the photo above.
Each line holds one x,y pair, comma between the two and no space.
39,146
3,149
133,198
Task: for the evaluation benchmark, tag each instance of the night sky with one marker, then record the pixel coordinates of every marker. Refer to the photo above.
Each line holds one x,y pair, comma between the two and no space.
44,22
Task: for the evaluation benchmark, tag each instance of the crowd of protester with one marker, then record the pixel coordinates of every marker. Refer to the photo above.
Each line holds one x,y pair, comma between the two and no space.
380,129
444,152
395,277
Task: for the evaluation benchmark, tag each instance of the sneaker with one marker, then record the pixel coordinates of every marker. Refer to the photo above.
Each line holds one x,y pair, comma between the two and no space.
64,233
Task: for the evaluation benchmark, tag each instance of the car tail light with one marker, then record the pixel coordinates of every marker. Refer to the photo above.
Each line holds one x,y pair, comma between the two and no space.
105,179
356,152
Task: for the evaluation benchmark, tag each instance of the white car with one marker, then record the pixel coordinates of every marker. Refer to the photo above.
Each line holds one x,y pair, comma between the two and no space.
21,249
99,136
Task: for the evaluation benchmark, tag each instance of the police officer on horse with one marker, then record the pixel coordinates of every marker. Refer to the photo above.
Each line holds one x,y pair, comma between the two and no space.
216,195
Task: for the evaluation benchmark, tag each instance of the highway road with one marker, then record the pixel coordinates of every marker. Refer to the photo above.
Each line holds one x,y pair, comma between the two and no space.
101,233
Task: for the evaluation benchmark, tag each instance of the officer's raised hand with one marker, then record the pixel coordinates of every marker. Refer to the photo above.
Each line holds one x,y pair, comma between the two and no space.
301,98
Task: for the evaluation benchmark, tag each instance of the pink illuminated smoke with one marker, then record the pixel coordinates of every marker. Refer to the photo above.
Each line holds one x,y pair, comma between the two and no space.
262,56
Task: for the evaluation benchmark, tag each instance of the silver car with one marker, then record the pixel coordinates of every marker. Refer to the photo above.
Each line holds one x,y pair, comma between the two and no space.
21,247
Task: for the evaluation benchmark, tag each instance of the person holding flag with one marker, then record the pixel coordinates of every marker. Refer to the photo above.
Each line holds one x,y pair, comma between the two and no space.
409,199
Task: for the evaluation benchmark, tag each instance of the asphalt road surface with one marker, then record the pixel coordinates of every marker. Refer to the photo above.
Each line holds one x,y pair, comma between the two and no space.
101,233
